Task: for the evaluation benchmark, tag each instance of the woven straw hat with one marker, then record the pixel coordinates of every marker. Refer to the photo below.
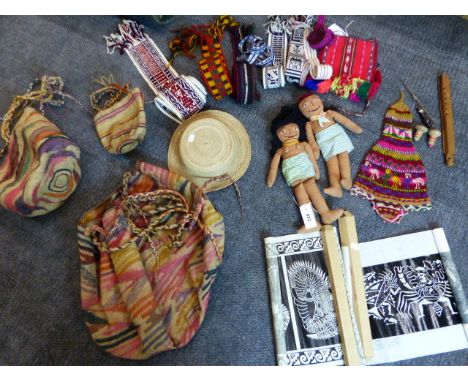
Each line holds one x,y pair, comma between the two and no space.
210,144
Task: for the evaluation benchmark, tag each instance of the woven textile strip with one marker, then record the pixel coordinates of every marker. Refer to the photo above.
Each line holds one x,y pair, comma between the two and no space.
243,74
273,76
213,68
149,255
212,65
255,51
317,70
392,176
297,66
155,68
302,62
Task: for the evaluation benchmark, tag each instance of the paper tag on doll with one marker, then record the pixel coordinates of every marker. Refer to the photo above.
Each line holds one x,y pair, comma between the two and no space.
308,216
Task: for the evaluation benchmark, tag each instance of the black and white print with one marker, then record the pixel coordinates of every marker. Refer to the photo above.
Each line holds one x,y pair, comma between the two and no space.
409,296
413,294
311,336
311,296
306,331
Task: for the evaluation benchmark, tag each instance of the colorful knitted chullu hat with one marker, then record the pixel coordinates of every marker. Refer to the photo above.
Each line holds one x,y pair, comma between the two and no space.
392,176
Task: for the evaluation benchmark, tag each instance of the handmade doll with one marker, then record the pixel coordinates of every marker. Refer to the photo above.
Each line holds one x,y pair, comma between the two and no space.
325,132
299,165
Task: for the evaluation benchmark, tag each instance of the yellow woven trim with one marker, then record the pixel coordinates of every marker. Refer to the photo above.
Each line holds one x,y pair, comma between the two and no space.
399,189
290,142
393,199
400,115
396,155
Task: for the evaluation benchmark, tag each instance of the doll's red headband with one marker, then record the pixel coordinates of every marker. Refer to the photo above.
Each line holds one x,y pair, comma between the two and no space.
304,96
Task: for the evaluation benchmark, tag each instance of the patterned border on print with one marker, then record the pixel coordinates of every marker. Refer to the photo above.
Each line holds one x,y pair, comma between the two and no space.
296,246
312,357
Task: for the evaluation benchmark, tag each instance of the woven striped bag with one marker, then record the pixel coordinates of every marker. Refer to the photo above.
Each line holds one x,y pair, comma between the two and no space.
39,164
149,255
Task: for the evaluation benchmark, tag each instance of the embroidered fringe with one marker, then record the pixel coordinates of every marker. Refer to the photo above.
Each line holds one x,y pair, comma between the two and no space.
130,34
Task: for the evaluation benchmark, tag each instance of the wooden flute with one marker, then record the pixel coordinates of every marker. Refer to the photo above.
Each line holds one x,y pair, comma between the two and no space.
447,120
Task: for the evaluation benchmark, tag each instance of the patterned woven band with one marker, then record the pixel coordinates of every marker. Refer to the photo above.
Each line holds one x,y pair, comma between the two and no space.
302,62
177,95
273,76
243,75
255,51
213,67
297,66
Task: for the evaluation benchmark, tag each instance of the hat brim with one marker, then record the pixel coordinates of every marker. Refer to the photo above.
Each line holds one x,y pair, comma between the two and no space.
240,162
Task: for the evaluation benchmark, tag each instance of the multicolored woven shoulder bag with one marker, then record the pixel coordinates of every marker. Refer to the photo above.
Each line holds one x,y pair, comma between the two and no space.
149,255
356,73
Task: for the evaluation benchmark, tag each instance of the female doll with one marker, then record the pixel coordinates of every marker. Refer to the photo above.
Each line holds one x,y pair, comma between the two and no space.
325,131
299,164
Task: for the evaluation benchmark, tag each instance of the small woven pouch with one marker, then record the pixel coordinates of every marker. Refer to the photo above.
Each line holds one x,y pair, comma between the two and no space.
121,121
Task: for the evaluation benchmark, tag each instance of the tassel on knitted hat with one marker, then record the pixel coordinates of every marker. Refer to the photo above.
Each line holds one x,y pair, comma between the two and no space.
400,104
400,111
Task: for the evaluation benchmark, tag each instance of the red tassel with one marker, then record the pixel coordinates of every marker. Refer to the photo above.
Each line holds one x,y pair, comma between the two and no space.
375,86
324,86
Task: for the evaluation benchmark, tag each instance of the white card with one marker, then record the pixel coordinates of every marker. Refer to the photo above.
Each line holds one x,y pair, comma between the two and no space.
308,216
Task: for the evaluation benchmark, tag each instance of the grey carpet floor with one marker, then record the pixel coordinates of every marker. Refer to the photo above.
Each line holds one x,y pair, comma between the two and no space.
40,318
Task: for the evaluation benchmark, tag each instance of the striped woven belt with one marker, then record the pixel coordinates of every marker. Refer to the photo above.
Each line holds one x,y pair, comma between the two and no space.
213,68
317,70
178,96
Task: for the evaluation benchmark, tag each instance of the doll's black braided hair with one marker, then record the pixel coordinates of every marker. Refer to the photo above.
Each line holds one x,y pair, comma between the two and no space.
288,114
